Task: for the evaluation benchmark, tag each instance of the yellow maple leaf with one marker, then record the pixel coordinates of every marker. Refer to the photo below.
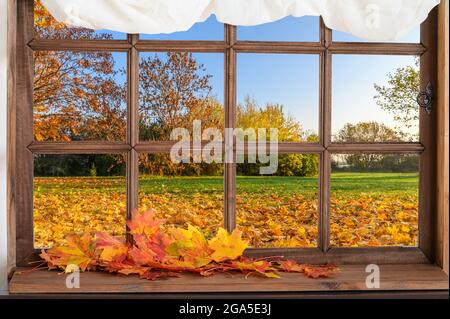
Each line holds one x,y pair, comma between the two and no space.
227,246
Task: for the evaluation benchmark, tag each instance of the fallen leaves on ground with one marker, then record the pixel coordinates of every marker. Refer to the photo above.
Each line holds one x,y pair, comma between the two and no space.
64,206
159,252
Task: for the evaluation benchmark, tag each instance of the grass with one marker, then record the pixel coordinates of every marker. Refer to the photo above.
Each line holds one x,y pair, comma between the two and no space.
340,182
367,209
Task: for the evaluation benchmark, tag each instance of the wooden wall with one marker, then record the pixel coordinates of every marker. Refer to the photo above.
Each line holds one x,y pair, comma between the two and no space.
442,104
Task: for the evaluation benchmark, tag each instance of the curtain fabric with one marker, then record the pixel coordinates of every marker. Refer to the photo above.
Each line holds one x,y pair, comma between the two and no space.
377,20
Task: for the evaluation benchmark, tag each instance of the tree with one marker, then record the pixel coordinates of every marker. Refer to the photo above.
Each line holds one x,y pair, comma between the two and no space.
398,97
76,95
369,132
174,90
250,115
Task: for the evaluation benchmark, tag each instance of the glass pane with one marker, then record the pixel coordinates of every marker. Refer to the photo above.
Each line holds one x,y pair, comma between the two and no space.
374,200
374,98
46,27
304,29
177,88
182,193
74,194
210,29
79,96
412,37
283,93
279,210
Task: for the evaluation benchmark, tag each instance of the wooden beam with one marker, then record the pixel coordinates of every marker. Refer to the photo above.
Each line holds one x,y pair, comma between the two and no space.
278,47
11,134
230,123
79,45
22,180
427,123
377,48
177,46
350,278
78,147
442,110
377,148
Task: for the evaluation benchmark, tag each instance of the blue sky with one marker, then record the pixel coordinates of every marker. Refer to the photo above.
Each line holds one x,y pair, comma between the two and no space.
293,79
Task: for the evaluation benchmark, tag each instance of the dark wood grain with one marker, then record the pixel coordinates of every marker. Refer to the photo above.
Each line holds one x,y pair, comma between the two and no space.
11,133
278,47
78,147
23,108
377,48
79,45
230,123
442,139
351,277
177,46
414,148
427,123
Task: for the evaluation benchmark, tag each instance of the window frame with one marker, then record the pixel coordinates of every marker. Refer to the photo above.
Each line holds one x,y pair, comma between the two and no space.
23,144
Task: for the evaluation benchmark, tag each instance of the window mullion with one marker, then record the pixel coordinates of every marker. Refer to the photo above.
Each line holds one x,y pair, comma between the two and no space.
325,138
132,128
230,122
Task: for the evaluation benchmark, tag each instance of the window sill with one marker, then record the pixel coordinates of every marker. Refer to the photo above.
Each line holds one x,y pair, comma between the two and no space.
397,277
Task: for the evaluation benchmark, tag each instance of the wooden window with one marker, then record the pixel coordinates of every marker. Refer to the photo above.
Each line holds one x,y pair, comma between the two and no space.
320,242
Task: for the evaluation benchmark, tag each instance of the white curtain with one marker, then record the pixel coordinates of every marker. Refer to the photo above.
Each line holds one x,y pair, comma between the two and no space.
379,20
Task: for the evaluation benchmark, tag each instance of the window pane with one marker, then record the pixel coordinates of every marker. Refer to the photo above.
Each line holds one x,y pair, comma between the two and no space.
177,88
412,37
79,96
304,29
46,27
183,193
279,210
374,98
210,29
78,193
283,93
374,200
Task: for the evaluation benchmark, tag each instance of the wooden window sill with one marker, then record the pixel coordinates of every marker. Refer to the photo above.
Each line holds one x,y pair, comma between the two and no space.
418,277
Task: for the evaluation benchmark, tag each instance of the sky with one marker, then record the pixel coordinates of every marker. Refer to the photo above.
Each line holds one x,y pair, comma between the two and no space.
293,79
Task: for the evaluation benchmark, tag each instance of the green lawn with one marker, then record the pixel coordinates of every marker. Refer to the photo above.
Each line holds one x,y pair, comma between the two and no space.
342,182
345,182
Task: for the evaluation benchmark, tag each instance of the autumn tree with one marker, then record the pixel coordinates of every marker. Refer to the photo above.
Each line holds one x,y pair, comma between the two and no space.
251,115
76,95
175,90
398,96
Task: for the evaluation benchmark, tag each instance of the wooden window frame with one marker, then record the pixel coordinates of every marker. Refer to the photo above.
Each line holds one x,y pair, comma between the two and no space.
23,146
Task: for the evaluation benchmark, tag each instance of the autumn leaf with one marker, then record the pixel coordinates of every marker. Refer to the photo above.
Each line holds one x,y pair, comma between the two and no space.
159,252
291,266
320,271
249,266
145,224
79,251
111,248
191,245
227,246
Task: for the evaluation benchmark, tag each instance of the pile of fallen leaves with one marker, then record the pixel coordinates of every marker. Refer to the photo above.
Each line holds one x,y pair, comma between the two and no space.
159,252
